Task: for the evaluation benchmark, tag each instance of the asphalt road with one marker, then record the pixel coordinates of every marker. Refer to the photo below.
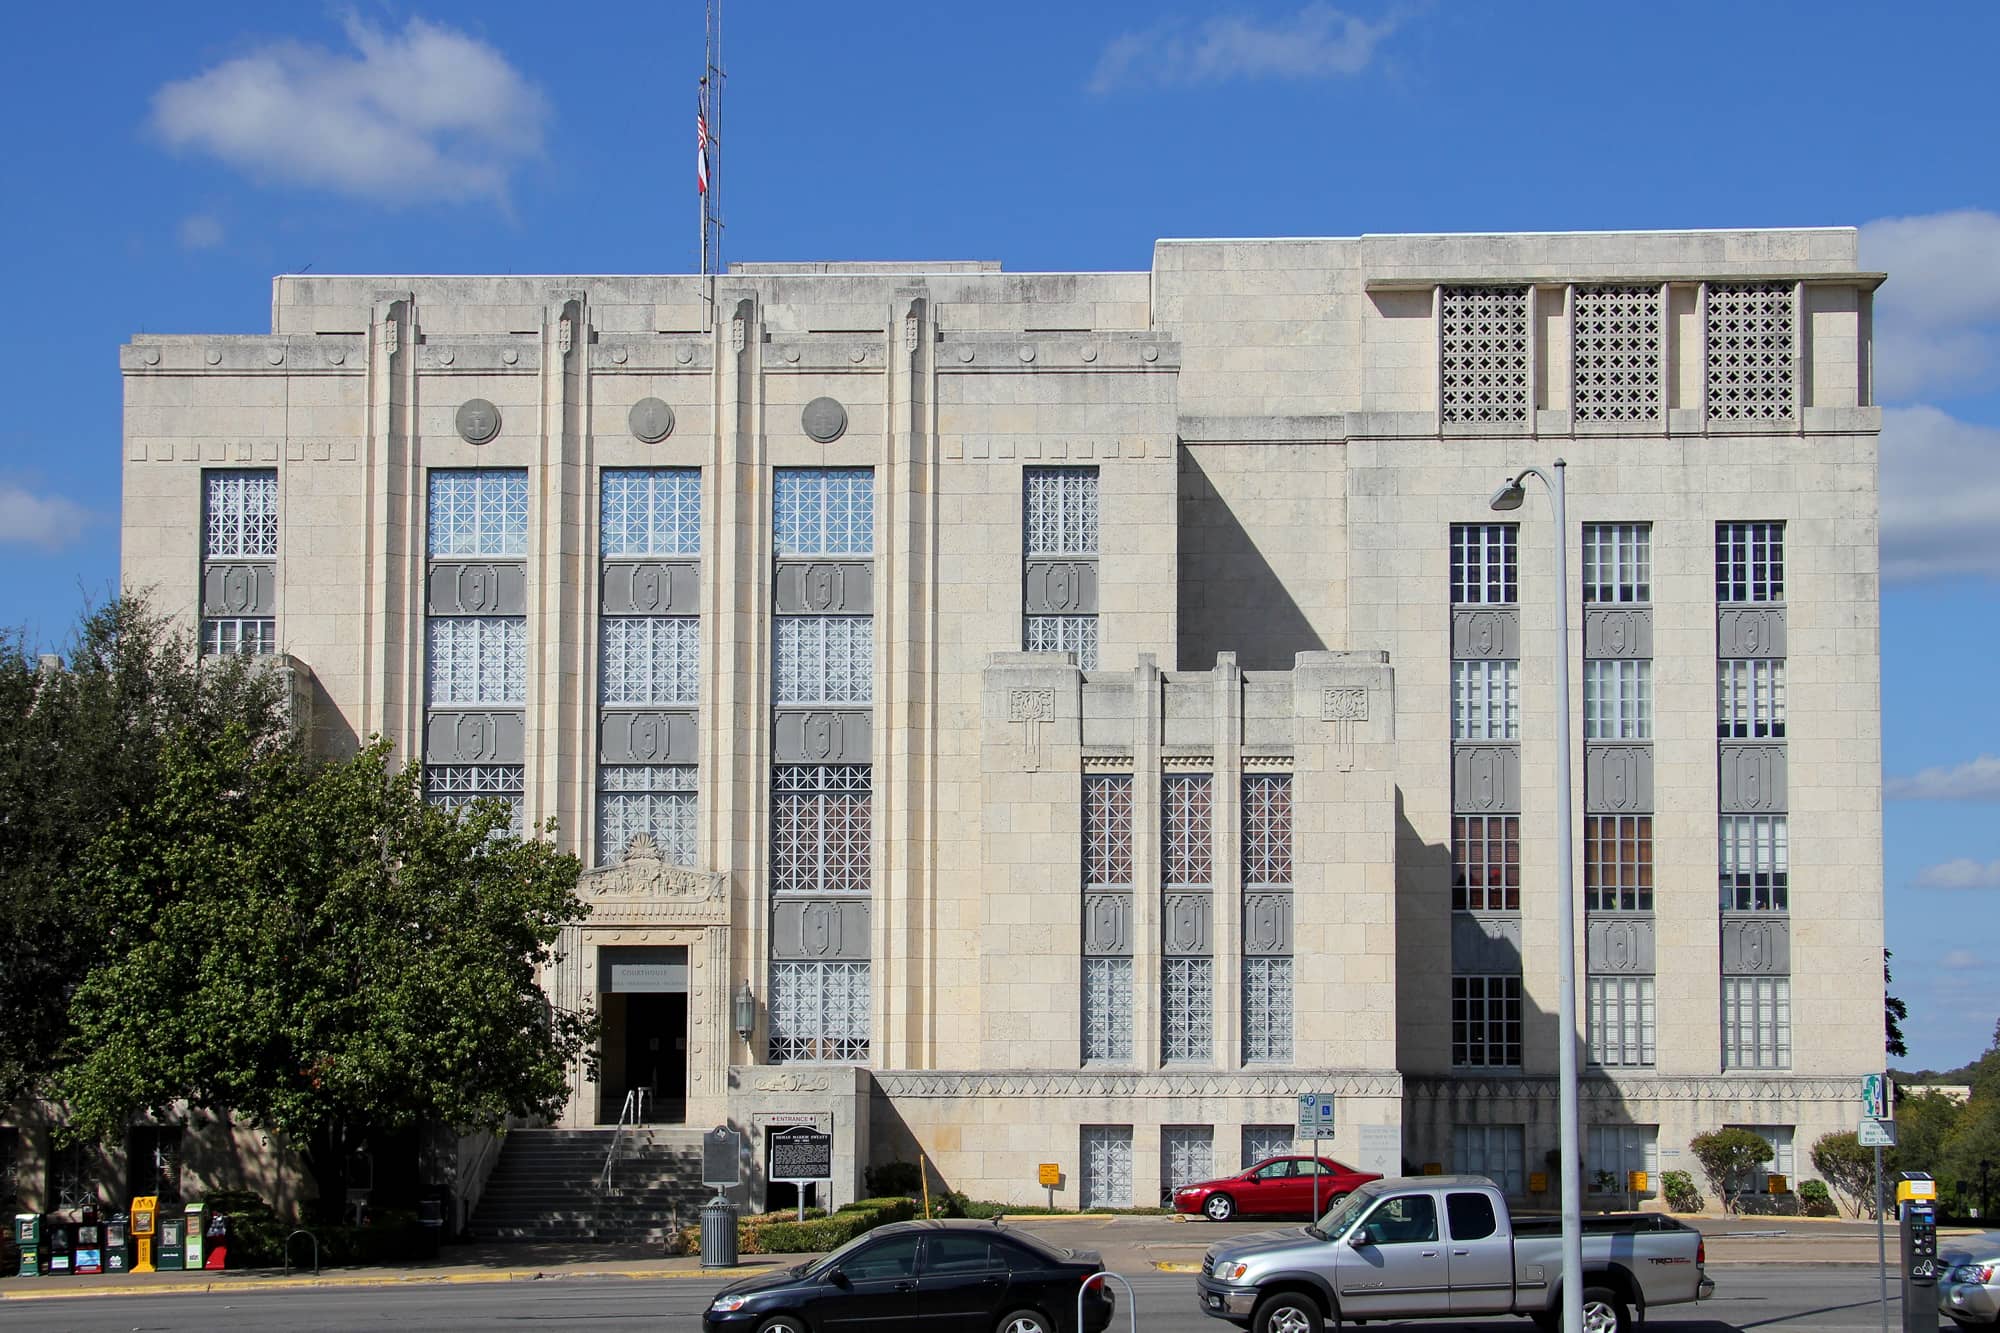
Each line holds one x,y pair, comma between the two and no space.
1792,1300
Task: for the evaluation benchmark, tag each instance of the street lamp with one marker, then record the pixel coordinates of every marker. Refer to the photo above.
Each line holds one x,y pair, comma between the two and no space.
746,1012
1505,500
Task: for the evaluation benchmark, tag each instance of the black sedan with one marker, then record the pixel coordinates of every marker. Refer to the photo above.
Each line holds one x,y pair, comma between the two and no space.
922,1277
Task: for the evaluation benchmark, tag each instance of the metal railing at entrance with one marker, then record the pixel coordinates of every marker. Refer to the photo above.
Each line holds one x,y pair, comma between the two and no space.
632,1113
1131,1301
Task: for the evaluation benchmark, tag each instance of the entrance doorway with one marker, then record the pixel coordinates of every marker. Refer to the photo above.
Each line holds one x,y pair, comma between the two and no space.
644,1012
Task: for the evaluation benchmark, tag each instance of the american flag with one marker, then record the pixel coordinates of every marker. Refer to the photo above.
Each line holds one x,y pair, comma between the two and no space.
700,149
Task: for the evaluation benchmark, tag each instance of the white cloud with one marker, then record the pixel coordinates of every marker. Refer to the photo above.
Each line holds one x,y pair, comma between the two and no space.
1975,781
1940,495
47,521
1963,873
1317,42
425,114
200,231
1937,319
1961,960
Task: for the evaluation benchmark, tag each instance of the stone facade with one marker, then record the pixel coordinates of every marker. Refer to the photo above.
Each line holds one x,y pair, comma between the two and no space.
752,564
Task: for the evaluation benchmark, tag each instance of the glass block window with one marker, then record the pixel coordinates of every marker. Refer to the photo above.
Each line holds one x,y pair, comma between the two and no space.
1618,863
1187,1010
1782,1163
1485,564
479,511
1267,1010
1063,634
1495,1151
650,660
655,799
825,659
1618,700
1263,1142
253,636
239,515
1187,825
1059,508
1486,700
649,511
456,785
1618,353
1749,562
824,511
1755,863
1107,830
821,820
1756,1022
478,660
1486,1022
1617,562
1619,1149
1187,1157
818,1011
1750,698
1107,1166
1267,829
1750,361
1486,863
1484,354
1620,1021
1107,1009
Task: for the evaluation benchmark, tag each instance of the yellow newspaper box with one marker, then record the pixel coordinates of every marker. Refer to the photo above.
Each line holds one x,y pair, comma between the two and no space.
1637,1182
1777,1184
145,1225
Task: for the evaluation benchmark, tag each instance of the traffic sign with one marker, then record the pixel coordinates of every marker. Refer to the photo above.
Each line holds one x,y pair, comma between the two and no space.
1877,1134
1875,1096
1315,1115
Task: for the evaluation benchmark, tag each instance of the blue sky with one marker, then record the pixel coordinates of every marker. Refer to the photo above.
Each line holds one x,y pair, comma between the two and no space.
165,162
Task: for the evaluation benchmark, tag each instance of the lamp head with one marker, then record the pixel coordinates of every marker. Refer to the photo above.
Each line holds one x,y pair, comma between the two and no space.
1507,497
746,1012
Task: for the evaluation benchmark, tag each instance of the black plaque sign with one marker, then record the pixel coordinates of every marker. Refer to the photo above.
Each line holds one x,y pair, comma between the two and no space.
722,1158
800,1154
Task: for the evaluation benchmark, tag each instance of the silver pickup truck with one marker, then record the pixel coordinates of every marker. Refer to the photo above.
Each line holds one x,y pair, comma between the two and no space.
1445,1247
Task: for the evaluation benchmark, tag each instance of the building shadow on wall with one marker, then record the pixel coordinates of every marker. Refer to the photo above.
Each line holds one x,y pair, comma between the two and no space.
1230,599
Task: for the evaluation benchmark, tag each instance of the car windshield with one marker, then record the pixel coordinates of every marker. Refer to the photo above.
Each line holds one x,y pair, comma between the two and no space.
1339,1216
822,1265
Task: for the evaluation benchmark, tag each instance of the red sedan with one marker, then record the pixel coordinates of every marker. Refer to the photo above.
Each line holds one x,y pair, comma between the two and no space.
1277,1187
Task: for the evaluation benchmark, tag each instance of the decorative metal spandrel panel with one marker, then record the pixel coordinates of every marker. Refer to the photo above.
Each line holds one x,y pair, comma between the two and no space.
1485,564
1059,588
668,817
1749,568
1484,355
239,588
1759,944
240,515
821,823
478,660
1187,824
650,511
1107,829
252,637
1186,923
833,929
1107,1166
650,660
819,1012
1750,356
1754,779
467,736
1063,634
647,736
1107,1009
1187,1155
824,588
1621,944
823,511
822,735
1617,779
1486,632
1486,779
1267,828
1618,353
825,660
476,588
1267,1010
1060,506
1614,632
479,512
1751,632
650,588
454,786
1107,924
1187,1010
1486,942
1267,922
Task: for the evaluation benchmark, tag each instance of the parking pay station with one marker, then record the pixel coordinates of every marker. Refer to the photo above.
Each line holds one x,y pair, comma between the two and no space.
1916,1206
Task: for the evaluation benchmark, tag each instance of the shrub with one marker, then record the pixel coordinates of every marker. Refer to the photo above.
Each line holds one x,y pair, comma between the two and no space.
1728,1157
1849,1168
1816,1198
899,1178
783,1233
1681,1194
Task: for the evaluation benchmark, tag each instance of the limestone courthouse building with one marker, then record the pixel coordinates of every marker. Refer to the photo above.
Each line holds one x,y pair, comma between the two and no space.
1073,715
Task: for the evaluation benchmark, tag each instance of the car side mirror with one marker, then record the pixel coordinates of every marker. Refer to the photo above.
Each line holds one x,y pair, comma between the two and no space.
837,1278
1363,1237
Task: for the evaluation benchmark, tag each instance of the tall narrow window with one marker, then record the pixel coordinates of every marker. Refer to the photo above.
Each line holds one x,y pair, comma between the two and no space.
1486,863
1267,917
1486,1022
1618,863
1756,863
1620,1021
1749,562
1187,976
1485,564
1756,1022
1495,1151
1059,576
1618,700
1107,917
239,550
1486,700
819,1011
1107,1166
1750,698
1617,563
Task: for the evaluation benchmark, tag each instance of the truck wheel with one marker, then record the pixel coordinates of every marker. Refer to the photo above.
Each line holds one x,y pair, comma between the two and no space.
1220,1208
1603,1312
1287,1312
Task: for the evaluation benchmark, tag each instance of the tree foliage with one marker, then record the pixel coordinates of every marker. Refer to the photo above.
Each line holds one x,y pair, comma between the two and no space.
1848,1168
1730,1158
1894,1013
81,741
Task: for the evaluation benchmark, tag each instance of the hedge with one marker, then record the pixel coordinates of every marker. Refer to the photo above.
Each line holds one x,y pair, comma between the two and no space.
782,1233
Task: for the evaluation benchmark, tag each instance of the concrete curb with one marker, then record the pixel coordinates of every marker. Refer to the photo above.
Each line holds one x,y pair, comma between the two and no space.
248,1284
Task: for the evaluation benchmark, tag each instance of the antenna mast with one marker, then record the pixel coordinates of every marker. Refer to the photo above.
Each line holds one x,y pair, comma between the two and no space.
709,137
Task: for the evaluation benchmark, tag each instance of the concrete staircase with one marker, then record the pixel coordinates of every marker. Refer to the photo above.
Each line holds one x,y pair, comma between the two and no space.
545,1186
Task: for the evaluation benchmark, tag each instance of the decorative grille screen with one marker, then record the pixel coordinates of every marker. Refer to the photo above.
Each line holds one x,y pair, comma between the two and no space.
1484,354
1486,863
1064,634
1263,1142
1187,1010
1749,562
1750,698
654,799
1750,360
455,785
820,826
479,660
1187,823
649,660
479,512
1618,700
1267,1010
1107,1009
240,515
825,659
1756,1022
1618,863
824,511
1485,564
1107,1166
1267,829
1107,830
1755,861
1486,700
1486,1022
1618,353
1621,1021
1060,506
650,511
1617,562
819,1011
1187,1157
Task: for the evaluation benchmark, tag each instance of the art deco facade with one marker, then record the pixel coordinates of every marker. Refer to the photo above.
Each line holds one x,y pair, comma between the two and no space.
1089,710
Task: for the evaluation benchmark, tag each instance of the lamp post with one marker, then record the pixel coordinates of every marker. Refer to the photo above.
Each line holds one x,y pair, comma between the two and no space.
746,1012
1507,498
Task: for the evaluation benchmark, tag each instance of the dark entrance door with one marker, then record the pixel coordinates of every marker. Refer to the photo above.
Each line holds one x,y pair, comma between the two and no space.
656,1052
644,1005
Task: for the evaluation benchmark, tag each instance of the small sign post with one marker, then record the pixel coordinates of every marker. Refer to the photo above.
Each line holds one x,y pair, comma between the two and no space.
800,1156
1878,1105
1049,1174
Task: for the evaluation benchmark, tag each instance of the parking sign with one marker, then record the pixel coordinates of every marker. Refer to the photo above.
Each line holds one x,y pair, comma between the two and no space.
1316,1115
1875,1096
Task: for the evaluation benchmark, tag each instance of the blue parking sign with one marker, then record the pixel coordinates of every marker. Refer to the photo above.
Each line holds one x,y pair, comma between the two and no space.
1316,1115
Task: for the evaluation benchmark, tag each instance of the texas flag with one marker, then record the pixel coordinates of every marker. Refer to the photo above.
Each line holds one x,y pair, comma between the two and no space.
700,150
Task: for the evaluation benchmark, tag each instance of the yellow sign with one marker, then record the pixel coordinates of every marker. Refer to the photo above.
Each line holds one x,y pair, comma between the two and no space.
1433,1168
1909,1190
1636,1182
1538,1182
144,1209
1776,1184
1050,1174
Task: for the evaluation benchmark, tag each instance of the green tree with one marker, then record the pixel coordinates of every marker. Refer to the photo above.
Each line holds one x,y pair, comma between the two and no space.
1848,1168
1730,1158
81,738
1894,1013
321,953
1925,1121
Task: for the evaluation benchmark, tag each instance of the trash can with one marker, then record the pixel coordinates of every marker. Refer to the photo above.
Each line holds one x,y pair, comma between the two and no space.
430,1216
118,1245
28,1236
197,1231
718,1233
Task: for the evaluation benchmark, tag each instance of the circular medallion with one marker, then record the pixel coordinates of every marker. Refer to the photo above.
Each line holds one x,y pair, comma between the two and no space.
824,420
1089,352
478,420
510,356
1151,354
151,356
651,420
215,356
619,354
275,355
857,354
683,354
336,355
965,354
1027,353
791,354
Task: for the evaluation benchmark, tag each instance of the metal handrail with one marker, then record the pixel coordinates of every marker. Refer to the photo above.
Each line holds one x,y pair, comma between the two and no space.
1131,1301
633,1112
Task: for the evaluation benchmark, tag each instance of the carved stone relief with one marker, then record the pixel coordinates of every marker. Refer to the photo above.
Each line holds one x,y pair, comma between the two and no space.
651,420
478,420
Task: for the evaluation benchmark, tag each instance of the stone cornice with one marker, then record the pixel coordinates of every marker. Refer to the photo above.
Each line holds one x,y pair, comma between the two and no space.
1137,1083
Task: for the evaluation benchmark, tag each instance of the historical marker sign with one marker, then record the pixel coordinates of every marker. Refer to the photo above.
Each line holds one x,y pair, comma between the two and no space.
722,1158
800,1155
